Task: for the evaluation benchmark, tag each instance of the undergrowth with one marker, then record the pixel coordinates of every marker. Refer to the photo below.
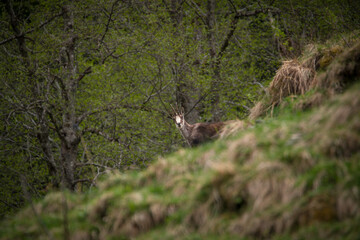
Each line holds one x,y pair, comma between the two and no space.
292,175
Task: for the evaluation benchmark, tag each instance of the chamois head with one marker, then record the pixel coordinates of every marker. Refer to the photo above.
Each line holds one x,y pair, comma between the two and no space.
178,116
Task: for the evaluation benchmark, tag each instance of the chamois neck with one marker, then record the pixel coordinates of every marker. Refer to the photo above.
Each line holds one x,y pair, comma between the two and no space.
186,130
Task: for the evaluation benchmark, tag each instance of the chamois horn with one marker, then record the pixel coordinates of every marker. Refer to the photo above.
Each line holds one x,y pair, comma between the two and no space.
177,111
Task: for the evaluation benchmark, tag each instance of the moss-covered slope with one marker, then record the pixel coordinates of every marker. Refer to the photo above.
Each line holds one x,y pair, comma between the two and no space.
295,175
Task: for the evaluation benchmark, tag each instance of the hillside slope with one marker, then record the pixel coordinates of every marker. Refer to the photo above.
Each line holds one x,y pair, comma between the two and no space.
294,175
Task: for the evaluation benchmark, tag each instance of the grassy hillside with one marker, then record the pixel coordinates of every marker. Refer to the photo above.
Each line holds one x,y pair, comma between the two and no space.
294,174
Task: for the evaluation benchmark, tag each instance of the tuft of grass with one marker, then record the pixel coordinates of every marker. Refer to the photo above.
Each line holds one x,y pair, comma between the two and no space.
340,66
291,79
258,110
233,127
343,70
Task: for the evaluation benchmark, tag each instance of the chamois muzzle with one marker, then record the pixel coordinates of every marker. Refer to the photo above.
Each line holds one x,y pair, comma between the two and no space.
178,115
178,121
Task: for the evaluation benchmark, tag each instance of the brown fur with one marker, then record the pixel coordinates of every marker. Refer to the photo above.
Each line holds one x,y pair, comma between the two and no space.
197,133
202,132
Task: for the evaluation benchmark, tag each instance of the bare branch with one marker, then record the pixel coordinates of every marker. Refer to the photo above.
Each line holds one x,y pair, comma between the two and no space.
103,134
95,111
9,205
261,86
19,36
81,180
202,97
92,164
8,40
84,73
61,83
32,29
239,14
108,22
232,5
141,107
56,126
198,11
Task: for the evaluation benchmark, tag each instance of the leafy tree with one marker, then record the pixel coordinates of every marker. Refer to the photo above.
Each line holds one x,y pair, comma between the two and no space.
87,86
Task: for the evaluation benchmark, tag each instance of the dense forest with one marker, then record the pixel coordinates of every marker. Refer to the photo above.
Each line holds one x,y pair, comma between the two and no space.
87,86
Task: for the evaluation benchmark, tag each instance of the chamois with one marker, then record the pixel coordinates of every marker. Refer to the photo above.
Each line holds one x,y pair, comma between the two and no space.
197,133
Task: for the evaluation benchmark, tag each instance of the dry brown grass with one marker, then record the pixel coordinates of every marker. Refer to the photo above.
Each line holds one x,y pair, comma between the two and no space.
98,211
257,111
311,56
318,208
316,58
123,223
259,186
271,201
341,72
273,184
267,194
347,203
340,132
139,222
343,67
297,77
232,127
291,79
243,148
329,55
315,100
82,235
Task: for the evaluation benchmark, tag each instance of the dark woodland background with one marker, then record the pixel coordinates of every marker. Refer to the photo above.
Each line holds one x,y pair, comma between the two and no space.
86,86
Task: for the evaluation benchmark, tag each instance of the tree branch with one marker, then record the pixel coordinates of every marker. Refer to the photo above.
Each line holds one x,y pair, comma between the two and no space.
62,86
81,180
92,164
198,11
19,35
95,111
239,14
141,107
108,22
101,133
32,29
57,128
84,73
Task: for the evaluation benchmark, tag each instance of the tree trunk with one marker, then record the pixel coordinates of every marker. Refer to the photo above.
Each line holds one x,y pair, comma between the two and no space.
70,139
69,150
54,170
42,132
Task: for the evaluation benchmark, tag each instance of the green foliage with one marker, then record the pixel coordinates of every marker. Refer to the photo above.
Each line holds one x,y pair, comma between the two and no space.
144,56
272,173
